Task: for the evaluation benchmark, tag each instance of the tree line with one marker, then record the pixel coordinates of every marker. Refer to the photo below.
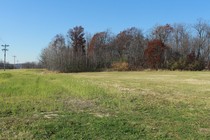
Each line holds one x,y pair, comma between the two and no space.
170,46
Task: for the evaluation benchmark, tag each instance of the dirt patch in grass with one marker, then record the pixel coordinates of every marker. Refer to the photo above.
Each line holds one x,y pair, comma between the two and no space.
100,115
124,89
196,81
50,115
78,103
204,131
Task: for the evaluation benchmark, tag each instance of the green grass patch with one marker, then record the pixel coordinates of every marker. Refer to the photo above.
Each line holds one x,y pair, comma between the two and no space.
37,104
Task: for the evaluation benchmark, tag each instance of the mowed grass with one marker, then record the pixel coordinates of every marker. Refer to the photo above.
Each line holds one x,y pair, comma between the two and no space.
38,104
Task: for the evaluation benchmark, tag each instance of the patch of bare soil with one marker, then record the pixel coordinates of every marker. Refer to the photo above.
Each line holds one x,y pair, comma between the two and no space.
100,115
196,81
78,104
204,130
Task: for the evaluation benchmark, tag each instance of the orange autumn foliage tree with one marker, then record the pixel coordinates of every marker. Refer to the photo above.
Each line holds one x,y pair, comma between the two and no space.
98,41
154,54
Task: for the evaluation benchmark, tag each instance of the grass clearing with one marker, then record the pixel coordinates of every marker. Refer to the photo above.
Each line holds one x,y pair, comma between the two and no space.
37,104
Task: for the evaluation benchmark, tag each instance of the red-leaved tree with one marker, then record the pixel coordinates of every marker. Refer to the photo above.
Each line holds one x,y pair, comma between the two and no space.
154,54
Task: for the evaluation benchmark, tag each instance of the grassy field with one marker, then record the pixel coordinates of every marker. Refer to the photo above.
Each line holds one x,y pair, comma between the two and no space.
37,104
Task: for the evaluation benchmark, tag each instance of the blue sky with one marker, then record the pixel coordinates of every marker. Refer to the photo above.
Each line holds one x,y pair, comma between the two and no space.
29,25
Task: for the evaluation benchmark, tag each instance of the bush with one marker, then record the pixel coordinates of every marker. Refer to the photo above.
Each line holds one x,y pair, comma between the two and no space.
197,65
182,64
120,66
178,65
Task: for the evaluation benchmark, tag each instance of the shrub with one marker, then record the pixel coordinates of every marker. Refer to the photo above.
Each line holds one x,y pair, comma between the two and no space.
178,64
120,66
197,65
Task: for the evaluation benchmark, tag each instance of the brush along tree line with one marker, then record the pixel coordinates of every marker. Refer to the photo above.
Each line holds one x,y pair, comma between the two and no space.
172,47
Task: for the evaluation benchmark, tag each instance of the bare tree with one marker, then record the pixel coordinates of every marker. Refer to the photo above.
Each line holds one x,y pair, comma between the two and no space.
207,50
200,40
162,32
180,39
53,57
135,50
